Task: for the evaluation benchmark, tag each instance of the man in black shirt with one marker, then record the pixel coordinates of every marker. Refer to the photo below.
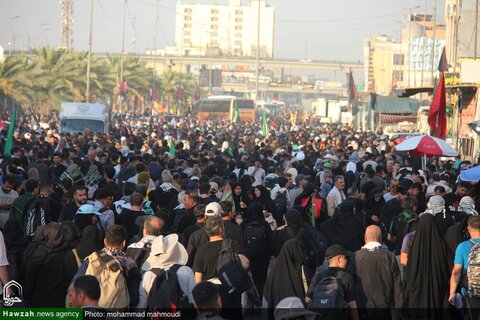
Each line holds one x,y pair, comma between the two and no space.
205,263
127,217
452,199
337,263
70,209
232,229
199,213
185,218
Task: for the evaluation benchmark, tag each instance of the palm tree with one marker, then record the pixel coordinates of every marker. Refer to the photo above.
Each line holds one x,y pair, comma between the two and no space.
137,76
58,77
15,81
171,82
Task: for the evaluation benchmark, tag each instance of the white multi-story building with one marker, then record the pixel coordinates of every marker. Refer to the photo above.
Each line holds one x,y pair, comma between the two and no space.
228,30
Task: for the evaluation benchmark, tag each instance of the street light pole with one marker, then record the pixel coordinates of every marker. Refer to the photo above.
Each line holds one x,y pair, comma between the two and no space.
476,31
257,63
433,42
89,58
12,36
123,53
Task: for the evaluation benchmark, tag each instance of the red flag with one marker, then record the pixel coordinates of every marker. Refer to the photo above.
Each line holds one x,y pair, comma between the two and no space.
394,81
437,115
352,89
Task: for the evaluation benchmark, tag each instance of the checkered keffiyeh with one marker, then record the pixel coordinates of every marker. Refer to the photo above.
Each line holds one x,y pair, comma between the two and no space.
467,205
436,204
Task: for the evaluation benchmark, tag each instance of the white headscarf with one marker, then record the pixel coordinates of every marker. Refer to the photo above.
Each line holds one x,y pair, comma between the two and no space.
467,205
435,205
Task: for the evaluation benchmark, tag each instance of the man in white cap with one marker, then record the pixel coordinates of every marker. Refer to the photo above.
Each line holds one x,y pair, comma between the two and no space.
167,255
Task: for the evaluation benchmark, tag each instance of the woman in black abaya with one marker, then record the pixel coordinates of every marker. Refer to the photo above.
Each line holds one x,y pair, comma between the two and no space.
285,278
90,242
262,196
427,273
344,228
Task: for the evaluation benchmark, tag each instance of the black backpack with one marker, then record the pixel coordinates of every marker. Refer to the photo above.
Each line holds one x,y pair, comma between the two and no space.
139,255
316,247
255,240
166,294
281,203
36,215
230,271
328,296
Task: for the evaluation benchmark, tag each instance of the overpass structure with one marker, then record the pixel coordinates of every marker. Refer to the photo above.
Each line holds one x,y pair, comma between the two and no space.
312,65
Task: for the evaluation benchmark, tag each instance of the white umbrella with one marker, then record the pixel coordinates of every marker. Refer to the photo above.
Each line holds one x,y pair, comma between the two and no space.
428,146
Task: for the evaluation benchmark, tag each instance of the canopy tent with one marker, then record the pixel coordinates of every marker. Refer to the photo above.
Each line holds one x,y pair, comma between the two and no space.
394,105
472,174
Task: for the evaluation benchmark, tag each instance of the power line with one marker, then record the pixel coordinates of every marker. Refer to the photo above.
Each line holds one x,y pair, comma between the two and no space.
106,14
338,20
333,32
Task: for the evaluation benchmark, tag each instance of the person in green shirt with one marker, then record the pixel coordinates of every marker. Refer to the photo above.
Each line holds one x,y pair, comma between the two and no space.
18,206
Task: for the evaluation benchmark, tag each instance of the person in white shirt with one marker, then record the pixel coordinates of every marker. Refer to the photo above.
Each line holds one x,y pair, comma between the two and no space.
257,172
165,253
4,277
336,195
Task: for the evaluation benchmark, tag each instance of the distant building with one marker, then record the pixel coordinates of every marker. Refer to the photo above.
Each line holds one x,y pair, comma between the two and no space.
391,64
227,30
466,29
384,64
452,17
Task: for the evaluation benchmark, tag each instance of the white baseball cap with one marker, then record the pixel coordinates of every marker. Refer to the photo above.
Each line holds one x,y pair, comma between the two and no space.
213,209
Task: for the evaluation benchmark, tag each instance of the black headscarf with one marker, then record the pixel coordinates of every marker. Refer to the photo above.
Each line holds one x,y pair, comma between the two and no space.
285,278
90,242
13,235
295,225
455,235
71,234
243,197
83,220
255,212
344,228
50,235
294,220
427,273
265,200
307,192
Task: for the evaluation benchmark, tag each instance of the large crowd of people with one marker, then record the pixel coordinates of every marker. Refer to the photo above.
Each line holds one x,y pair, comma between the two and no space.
215,220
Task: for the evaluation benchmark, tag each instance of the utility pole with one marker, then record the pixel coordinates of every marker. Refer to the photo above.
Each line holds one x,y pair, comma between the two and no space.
122,54
89,59
12,35
476,31
424,44
155,34
257,63
433,43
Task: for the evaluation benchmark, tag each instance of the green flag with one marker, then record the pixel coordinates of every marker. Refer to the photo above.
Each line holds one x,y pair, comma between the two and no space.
236,114
312,213
264,123
172,148
8,143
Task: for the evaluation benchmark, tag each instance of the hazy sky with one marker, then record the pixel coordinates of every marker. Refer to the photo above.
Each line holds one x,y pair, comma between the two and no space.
315,29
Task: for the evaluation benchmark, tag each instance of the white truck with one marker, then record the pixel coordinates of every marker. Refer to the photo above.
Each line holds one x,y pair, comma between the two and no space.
78,116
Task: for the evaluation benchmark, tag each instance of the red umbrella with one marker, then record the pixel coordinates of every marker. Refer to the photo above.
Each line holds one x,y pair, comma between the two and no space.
427,145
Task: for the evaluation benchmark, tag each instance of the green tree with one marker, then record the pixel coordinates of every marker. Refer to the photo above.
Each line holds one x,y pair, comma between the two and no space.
137,76
15,80
170,83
